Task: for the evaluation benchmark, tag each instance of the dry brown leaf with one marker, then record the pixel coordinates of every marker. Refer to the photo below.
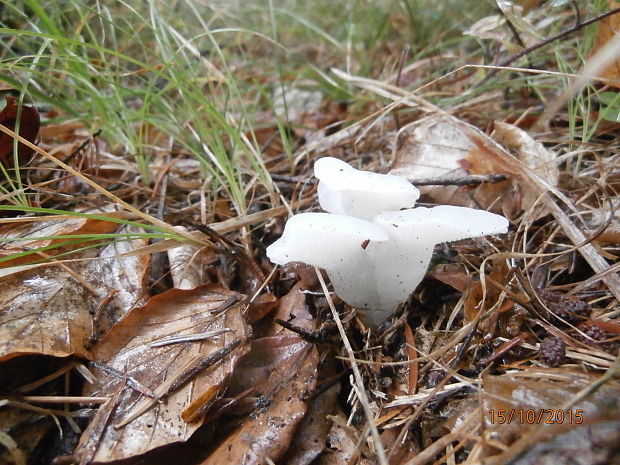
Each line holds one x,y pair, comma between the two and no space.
309,440
55,310
412,378
531,153
268,433
538,185
451,274
267,365
272,359
516,193
186,264
519,406
136,424
438,147
429,149
608,28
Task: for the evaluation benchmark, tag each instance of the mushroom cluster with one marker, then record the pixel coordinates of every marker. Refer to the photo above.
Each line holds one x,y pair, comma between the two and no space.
373,244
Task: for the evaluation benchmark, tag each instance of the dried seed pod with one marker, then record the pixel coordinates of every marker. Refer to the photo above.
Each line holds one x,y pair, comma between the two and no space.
552,351
595,333
565,309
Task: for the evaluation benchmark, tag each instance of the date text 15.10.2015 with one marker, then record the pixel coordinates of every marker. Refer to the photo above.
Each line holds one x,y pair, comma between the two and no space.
535,416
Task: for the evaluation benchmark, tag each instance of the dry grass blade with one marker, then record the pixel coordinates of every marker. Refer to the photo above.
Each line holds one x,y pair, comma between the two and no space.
150,219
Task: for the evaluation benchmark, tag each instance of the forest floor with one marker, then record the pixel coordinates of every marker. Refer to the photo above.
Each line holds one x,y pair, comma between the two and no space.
150,154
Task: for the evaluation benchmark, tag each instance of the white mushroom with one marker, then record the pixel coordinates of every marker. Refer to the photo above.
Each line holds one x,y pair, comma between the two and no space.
400,263
374,265
363,194
337,244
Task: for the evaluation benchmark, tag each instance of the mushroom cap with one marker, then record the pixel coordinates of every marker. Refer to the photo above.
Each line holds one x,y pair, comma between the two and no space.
346,191
336,243
401,263
324,240
444,223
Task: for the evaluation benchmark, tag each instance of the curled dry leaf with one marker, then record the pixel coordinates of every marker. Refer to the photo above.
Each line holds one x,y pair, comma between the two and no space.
292,309
433,148
546,402
39,234
309,440
55,310
186,264
175,374
531,153
281,369
440,148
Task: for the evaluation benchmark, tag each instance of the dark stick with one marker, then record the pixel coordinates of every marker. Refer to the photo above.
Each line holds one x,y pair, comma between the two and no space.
205,363
470,180
460,181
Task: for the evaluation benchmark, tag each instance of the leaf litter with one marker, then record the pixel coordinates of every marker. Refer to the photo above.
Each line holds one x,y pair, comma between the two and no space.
169,377
58,308
522,322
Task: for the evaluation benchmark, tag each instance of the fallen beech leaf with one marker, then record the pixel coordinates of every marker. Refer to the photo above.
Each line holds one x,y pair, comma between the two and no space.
310,437
268,433
138,424
268,364
451,274
29,124
438,147
531,153
186,264
27,429
433,148
593,443
412,379
516,193
545,400
50,310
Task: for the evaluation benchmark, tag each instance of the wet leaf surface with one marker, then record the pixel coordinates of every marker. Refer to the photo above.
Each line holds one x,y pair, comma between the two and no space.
310,438
133,423
268,432
55,310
